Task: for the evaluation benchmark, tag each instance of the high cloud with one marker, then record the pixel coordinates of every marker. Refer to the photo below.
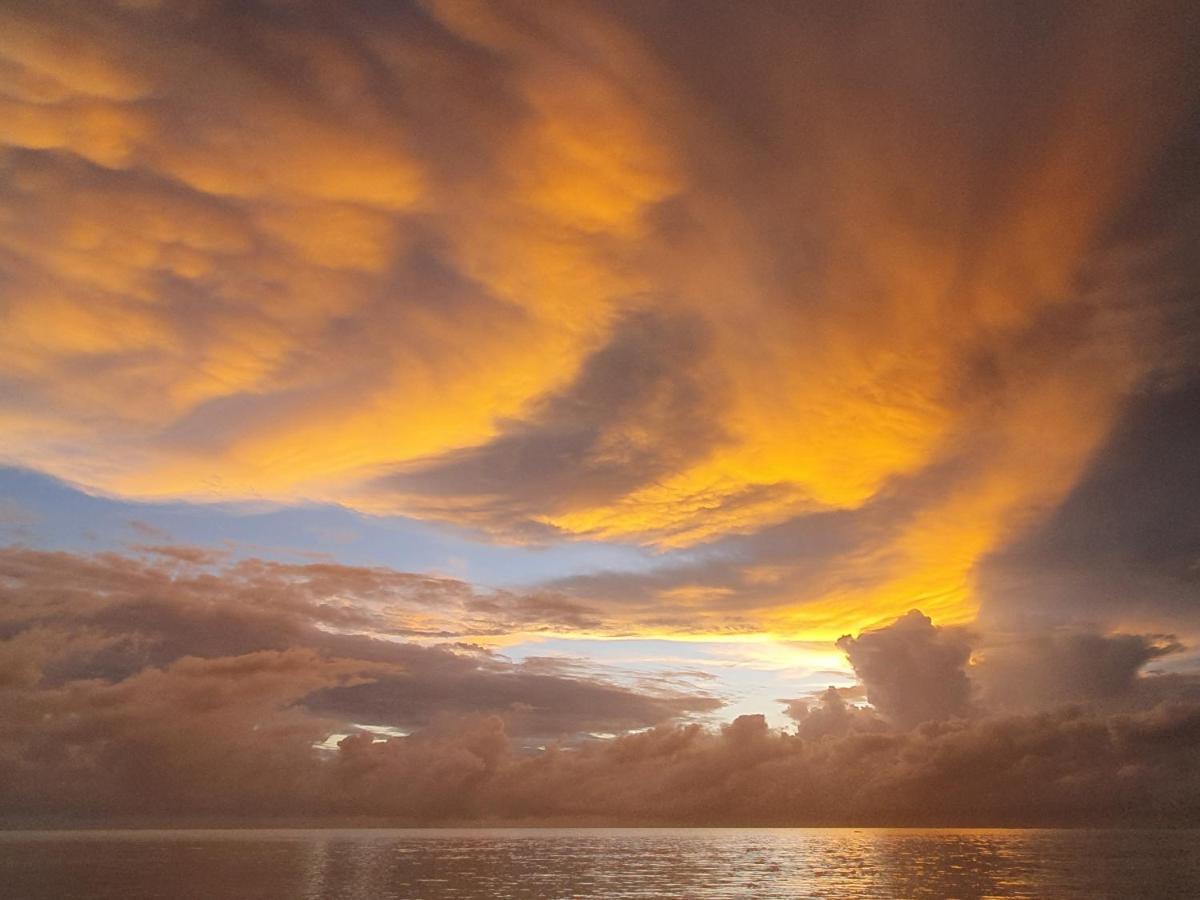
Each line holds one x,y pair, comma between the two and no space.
551,270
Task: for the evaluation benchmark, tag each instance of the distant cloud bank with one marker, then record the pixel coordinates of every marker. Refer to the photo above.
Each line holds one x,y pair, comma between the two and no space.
164,688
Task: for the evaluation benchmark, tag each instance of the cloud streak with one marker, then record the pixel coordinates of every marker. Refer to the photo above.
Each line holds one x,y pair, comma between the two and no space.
79,626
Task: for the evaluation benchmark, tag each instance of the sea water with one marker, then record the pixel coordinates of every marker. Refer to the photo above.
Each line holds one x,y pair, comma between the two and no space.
375,864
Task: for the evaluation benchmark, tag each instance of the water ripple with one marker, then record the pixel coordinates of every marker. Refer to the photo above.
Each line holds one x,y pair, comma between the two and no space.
609,863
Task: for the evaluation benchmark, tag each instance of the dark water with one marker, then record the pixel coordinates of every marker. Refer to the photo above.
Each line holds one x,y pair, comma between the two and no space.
609,863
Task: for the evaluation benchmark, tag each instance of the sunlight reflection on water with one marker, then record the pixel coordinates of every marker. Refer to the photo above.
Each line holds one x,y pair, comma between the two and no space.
610,863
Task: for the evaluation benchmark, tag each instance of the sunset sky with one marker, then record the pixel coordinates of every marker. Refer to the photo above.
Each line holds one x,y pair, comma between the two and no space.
454,410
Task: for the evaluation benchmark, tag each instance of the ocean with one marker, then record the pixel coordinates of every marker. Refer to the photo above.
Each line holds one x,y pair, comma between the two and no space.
376,864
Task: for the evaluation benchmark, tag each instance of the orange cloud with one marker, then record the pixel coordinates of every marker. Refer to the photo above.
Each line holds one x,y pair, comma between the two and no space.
568,271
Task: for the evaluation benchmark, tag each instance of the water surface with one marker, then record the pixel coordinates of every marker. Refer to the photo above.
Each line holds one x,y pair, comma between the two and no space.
611,863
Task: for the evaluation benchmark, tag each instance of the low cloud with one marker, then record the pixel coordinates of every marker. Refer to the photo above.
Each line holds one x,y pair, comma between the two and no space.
832,716
72,623
913,670
1063,768
160,689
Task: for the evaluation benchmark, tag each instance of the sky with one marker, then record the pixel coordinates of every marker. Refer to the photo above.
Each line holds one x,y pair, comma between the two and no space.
599,412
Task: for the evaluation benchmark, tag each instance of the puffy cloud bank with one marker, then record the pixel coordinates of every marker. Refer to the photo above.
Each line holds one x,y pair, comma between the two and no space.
150,689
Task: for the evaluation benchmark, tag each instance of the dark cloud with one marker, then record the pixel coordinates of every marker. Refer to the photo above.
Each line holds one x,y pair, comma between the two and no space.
832,716
534,706
1124,546
1055,768
133,691
637,411
1039,670
107,619
1065,768
913,670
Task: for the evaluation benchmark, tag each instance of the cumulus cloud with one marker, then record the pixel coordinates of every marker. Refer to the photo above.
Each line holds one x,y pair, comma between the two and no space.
1037,769
1050,769
832,716
913,670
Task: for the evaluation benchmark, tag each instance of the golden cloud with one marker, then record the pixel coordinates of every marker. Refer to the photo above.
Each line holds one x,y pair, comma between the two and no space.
559,269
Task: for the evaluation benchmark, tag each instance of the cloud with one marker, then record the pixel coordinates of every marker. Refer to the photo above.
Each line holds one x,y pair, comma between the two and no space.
1041,769
913,670
534,704
546,272
1063,667
637,411
75,624
162,689
301,208
1052,769
845,312
832,716
1121,551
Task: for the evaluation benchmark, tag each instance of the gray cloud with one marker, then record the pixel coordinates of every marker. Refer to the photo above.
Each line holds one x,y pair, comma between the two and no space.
160,689
638,410
1042,669
1124,546
913,670
832,716
104,620
1052,769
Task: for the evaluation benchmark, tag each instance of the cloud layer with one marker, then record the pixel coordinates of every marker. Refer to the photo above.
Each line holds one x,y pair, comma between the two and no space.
590,269
82,628
163,689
